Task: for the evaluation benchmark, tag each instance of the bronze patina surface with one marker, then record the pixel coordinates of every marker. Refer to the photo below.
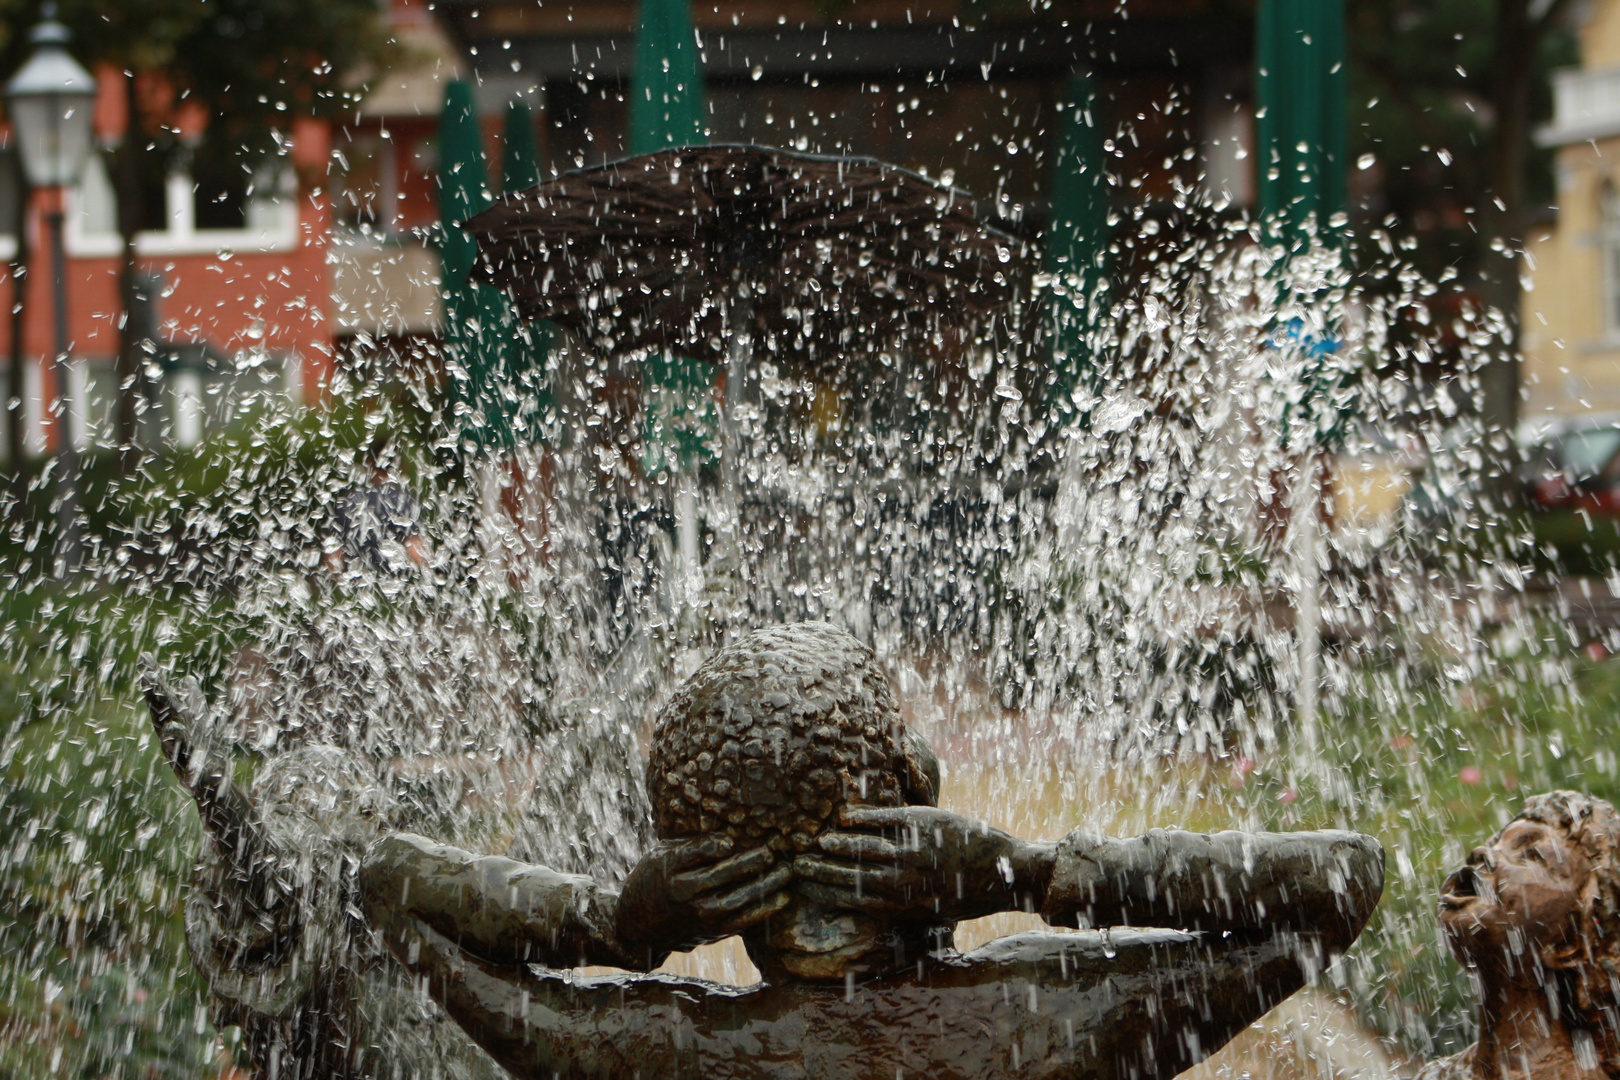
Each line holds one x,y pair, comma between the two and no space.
846,900
1534,915
1146,1003
805,825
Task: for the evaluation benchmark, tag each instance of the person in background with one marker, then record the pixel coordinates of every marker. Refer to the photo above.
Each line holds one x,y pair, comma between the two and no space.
378,523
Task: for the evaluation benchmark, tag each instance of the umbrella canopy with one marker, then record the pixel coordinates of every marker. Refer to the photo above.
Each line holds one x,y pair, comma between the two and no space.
654,252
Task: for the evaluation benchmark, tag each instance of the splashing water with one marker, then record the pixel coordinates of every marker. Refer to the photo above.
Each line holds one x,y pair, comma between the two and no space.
1096,620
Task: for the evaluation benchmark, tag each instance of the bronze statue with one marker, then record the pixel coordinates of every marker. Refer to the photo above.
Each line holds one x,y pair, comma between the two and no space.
270,917
794,808
1534,915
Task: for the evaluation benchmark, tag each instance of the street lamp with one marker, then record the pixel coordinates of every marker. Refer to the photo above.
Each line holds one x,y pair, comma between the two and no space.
50,100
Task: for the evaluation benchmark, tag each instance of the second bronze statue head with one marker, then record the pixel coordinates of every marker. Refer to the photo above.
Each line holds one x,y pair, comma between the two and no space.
1538,907
775,733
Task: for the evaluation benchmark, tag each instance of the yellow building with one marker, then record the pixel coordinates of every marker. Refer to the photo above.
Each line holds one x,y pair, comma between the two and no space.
1571,312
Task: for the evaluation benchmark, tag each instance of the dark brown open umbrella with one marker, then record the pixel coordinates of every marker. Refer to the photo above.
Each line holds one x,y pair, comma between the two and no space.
674,249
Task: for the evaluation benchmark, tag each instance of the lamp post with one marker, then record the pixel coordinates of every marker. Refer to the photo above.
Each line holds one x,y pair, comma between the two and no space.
50,100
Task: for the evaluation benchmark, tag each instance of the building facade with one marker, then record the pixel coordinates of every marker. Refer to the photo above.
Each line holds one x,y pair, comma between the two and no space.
234,270
327,257
1570,312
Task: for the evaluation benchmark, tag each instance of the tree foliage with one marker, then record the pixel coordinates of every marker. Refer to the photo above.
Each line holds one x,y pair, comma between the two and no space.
1424,119
250,65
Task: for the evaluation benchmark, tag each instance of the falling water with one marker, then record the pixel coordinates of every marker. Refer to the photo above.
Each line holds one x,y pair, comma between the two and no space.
1093,613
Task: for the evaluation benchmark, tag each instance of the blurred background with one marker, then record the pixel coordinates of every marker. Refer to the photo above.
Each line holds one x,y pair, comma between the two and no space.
246,313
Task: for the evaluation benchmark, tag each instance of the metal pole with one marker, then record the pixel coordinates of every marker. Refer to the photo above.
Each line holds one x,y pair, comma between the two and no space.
726,565
737,356
1308,604
739,347
686,532
68,543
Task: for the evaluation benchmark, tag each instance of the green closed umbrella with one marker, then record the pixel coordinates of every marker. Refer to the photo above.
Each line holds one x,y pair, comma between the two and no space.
520,157
667,105
478,325
1301,135
531,341
1300,119
1300,128
667,109
1077,239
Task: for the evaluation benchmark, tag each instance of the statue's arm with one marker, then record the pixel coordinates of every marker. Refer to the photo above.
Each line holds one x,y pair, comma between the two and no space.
230,823
923,862
503,911
1230,925
1323,885
259,928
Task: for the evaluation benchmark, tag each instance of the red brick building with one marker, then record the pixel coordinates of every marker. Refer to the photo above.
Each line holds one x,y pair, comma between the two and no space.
239,271
328,255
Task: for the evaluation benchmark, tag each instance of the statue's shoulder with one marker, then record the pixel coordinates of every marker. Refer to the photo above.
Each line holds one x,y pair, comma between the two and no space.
1458,1066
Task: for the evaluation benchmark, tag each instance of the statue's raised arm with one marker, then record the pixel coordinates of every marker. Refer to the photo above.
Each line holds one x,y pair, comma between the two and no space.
793,808
230,824
268,915
923,863
1318,886
510,914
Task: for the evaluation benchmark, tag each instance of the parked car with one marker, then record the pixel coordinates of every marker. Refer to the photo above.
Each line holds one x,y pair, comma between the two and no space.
1576,468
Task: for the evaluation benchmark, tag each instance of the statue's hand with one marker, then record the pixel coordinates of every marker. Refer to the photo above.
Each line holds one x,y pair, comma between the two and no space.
680,896
923,863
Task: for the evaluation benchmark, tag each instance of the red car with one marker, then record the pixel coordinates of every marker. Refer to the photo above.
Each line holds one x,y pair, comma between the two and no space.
1577,470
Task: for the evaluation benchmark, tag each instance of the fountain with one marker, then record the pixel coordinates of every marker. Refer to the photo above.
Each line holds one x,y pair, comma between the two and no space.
776,772
1090,620
600,251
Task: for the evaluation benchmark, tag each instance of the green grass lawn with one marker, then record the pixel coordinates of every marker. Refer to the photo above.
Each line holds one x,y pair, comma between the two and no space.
1434,767
96,846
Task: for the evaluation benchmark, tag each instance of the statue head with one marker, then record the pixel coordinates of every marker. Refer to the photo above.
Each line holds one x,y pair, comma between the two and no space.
766,742
1538,905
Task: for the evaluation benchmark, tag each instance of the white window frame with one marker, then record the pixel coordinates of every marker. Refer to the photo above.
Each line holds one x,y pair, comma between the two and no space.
182,237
